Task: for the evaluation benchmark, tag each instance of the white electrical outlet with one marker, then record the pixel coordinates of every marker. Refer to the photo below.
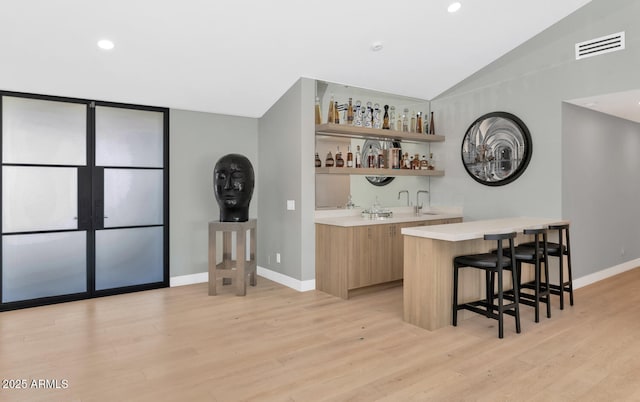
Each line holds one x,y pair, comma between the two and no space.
278,258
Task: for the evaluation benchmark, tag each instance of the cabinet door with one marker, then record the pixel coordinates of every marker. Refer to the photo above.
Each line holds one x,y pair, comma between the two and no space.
360,270
381,256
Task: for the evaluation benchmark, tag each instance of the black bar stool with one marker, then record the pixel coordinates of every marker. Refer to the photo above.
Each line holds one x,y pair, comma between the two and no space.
536,253
560,250
491,263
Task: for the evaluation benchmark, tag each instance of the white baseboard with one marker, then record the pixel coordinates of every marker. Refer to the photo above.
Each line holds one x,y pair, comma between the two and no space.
300,286
605,273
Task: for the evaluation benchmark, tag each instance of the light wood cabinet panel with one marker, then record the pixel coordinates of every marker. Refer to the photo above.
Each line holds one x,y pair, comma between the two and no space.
361,258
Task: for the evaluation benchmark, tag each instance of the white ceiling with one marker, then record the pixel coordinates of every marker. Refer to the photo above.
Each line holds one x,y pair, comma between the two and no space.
239,56
625,104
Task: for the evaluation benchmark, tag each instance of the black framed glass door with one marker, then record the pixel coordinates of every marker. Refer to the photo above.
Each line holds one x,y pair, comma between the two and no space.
84,199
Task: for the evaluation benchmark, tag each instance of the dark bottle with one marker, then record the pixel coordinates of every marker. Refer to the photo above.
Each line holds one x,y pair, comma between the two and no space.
336,114
358,157
385,119
329,161
371,158
318,161
349,157
432,128
350,113
419,122
339,160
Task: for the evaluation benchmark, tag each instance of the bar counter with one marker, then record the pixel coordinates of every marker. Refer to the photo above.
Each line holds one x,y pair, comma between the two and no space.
428,264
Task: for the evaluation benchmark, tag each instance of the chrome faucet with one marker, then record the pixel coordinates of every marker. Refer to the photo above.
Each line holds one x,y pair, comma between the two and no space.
418,196
404,191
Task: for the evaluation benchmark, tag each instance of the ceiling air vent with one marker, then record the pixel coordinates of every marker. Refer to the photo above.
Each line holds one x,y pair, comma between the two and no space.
598,46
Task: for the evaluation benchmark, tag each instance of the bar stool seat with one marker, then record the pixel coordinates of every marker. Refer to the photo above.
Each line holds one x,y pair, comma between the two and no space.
493,264
560,250
535,253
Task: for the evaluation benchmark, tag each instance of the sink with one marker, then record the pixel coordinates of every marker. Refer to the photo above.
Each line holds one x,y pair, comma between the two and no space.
431,213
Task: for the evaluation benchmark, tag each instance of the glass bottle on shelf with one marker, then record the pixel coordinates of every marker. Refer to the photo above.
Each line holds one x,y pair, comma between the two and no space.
424,163
380,159
339,160
336,114
350,113
328,162
392,118
386,155
371,158
318,113
432,128
405,120
412,123
416,162
377,122
358,157
318,161
331,115
411,163
357,117
368,117
432,162
419,123
349,157
385,118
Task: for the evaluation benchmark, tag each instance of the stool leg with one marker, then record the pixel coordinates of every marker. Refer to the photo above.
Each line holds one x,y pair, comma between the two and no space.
226,255
489,291
537,290
454,312
500,305
547,292
570,277
241,275
212,262
515,277
252,256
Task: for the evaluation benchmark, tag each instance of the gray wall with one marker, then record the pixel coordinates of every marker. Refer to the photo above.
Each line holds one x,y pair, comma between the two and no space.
531,82
601,190
197,141
285,150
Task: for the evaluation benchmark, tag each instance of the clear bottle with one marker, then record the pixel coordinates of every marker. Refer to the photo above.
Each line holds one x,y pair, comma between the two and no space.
419,123
358,157
380,159
405,161
368,117
318,118
405,120
349,157
412,124
339,160
385,118
350,113
318,161
432,162
392,118
331,115
424,163
377,121
357,117
336,114
432,127
386,156
371,158
328,162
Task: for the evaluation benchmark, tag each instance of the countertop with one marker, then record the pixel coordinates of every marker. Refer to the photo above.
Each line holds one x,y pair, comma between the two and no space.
477,229
352,217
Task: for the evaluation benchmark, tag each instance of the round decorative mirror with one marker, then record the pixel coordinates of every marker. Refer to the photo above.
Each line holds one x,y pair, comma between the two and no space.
371,147
496,148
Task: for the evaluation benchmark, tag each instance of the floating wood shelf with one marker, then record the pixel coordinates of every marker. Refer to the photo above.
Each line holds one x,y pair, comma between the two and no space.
340,130
378,172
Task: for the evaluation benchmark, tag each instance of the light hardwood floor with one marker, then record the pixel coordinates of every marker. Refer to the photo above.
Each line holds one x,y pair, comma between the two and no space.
180,344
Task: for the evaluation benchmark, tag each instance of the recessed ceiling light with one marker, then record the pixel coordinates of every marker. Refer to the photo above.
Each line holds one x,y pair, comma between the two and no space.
453,7
590,104
376,46
105,44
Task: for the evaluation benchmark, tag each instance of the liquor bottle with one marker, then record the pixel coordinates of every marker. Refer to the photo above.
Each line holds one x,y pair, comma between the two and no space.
432,162
339,160
357,117
350,113
336,114
385,118
412,127
411,163
318,118
432,127
416,162
380,159
349,157
419,123
392,118
424,163
371,158
385,156
318,161
328,162
368,117
405,120
405,161
331,115
358,157
376,121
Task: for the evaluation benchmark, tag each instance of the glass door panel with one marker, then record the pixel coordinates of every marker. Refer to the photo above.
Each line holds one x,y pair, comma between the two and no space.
39,198
133,197
126,257
127,137
36,131
42,265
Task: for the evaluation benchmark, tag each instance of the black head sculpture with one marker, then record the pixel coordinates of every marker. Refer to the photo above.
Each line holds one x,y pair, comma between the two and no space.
233,182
